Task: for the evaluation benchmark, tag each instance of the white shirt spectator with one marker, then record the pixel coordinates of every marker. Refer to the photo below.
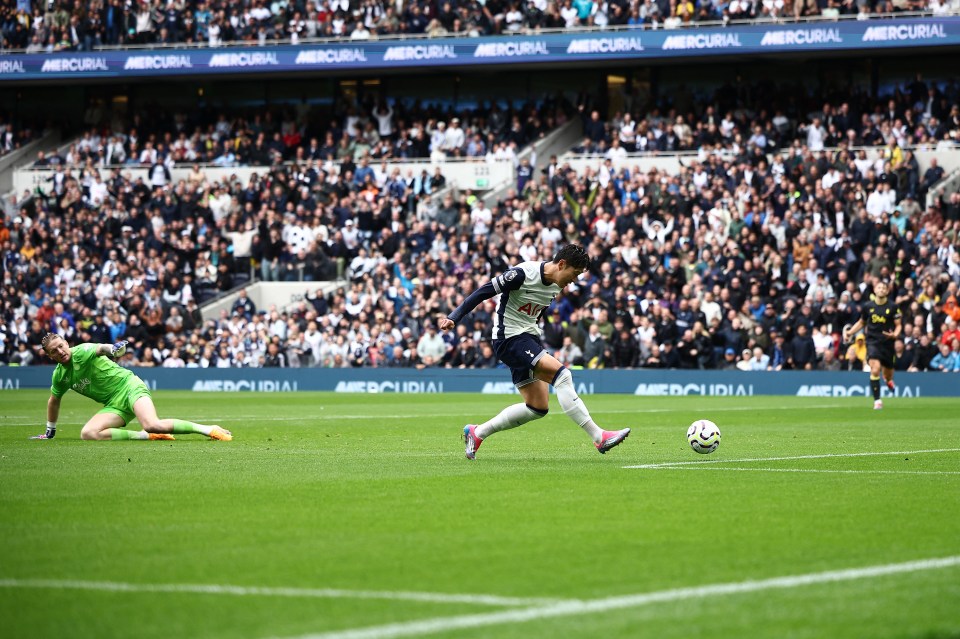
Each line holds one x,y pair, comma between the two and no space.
351,236
616,152
98,192
454,137
514,20
570,15
438,137
815,135
878,204
384,121
105,290
759,363
360,33
432,345
822,341
482,218
551,234
832,177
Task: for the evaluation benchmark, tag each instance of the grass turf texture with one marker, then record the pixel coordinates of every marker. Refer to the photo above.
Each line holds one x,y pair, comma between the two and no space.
371,492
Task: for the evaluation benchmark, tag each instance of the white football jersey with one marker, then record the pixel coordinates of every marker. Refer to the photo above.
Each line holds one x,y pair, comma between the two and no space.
524,297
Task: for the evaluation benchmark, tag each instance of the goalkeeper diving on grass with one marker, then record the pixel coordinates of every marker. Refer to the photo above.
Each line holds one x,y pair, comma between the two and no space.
525,292
90,370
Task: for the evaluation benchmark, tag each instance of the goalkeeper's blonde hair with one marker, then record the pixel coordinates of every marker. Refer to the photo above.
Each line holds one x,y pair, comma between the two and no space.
49,337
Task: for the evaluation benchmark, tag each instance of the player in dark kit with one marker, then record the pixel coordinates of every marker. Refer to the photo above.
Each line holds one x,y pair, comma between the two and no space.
881,317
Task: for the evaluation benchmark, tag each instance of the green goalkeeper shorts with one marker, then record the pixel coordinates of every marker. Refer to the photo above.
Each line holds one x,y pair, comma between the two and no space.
122,403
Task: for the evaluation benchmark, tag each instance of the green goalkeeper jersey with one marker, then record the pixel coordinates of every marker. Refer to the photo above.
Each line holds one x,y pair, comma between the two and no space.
98,378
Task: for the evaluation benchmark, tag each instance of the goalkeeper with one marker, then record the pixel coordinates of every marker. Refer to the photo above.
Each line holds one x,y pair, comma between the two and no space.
90,370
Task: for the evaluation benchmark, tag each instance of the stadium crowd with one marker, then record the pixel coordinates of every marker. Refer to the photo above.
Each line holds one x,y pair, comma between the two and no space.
68,25
736,261
753,120
376,129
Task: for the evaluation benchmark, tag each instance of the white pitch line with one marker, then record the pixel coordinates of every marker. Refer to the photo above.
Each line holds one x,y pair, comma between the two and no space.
313,593
575,607
793,457
811,470
302,418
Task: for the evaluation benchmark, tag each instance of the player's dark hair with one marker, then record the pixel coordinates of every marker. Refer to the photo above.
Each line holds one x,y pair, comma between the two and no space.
49,337
574,255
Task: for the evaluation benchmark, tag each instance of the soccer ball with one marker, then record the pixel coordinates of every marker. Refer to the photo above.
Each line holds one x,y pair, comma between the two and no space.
704,436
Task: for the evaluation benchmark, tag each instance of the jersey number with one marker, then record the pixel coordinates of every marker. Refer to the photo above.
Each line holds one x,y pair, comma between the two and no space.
533,310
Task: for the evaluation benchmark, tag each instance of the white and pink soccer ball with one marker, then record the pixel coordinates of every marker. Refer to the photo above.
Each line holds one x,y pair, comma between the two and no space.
704,436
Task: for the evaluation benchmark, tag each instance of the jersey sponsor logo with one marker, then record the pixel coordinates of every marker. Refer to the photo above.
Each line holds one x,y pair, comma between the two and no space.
878,319
398,386
790,37
230,385
720,390
81,385
855,390
533,310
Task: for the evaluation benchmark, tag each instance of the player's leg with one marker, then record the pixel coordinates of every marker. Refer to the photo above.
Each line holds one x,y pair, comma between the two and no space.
521,354
550,370
536,397
886,364
888,376
109,424
536,401
146,414
99,426
875,382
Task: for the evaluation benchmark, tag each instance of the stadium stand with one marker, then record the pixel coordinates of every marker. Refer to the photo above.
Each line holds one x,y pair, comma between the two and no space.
751,253
65,25
382,129
750,120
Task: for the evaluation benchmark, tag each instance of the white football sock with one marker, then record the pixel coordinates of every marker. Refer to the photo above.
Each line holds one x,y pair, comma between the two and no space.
573,406
509,417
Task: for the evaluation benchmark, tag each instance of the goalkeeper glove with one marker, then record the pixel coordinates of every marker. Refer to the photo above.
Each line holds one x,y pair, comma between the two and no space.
119,349
50,433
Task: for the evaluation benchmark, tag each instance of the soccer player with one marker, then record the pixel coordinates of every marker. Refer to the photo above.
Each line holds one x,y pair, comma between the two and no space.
526,291
90,370
881,317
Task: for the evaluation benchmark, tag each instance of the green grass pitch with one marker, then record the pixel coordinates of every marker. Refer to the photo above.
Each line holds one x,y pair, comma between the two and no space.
349,516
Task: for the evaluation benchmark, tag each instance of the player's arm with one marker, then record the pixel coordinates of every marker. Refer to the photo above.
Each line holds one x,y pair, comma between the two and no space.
59,386
510,280
111,350
852,330
53,413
